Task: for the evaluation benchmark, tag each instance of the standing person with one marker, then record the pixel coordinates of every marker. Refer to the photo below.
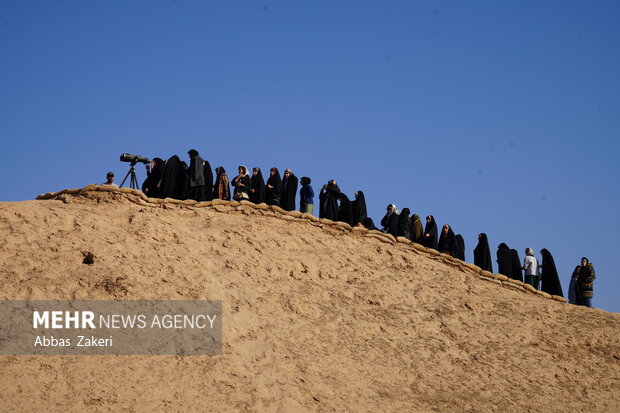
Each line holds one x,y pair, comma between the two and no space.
358,205
289,190
257,186
306,196
273,188
530,266
460,247
196,173
417,232
328,198
550,282
572,286
504,260
390,220
585,283
242,184
517,274
173,182
154,170
404,224
430,233
447,241
221,189
482,253
208,174
345,210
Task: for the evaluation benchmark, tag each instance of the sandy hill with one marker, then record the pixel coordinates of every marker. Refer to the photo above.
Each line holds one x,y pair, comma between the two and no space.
316,318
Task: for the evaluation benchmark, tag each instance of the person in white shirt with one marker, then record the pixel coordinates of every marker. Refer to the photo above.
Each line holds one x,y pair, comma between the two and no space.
530,266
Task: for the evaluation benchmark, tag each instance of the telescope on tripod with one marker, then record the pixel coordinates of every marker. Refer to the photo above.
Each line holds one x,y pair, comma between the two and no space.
134,159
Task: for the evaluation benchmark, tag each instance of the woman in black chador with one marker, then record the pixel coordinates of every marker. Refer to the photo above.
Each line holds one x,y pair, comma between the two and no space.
390,221
404,224
447,241
517,273
504,260
328,198
196,175
549,275
257,186
289,190
482,254
273,188
173,179
417,232
358,205
150,187
430,233
460,247
345,210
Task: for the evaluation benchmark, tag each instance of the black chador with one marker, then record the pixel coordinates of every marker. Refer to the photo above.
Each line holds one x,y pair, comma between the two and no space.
482,254
358,206
549,275
460,247
289,190
328,199
390,220
417,231
208,174
273,187
430,233
345,210
447,241
517,272
504,260
150,187
257,186
404,224
196,174
173,179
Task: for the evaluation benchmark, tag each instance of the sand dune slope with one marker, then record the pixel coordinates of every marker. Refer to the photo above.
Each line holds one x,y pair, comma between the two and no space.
315,319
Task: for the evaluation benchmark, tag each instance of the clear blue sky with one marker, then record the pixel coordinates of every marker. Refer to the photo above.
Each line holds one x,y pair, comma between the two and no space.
496,117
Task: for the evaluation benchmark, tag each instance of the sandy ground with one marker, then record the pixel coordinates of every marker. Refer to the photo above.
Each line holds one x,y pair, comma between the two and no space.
314,319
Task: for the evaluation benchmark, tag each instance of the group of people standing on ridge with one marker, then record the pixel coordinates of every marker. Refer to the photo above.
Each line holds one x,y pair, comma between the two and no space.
175,179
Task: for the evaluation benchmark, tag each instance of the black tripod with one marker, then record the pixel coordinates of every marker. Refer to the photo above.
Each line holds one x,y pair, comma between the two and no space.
133,184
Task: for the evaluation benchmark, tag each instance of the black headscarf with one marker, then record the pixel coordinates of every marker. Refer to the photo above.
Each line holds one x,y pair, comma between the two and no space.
549,276
460,247
345,209
369,224
274,194
257,184
482,254
173,179
517,272
447,242
431,230
359,208
404,224
504,260
328,208
150,187
222,184
289,191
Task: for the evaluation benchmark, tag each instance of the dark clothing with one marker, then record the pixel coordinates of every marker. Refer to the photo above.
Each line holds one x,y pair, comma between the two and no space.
431,231
208,174
289,192
173,182
369,224
242,187
549,275
517,272
257,186
404,224
358,206
417,232
221,189
460,247
196,174
390,223
504,260
274,194
447,242
328,198
150,187
345,210
585,285
306,197
482,254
